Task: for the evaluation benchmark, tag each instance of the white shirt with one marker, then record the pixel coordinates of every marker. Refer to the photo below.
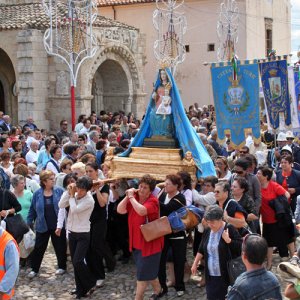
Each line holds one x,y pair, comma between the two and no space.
79,213
31,156
51,167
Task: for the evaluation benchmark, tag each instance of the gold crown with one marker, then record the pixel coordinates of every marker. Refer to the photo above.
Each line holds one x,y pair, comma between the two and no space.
273,72
164,63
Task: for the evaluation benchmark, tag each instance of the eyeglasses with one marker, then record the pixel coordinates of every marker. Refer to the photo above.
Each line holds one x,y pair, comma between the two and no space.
217,192
66,124
207,185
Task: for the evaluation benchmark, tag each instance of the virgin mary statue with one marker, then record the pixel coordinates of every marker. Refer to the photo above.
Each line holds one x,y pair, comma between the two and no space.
174,124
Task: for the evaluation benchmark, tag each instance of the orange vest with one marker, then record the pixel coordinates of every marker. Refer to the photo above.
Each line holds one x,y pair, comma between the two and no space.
5,238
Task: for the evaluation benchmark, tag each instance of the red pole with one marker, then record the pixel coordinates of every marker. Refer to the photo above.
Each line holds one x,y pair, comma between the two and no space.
73,112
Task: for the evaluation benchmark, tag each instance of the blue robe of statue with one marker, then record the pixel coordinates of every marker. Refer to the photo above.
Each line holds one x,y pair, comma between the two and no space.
182,130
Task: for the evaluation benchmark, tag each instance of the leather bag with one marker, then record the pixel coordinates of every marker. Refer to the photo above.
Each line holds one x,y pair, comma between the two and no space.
189,220
156,229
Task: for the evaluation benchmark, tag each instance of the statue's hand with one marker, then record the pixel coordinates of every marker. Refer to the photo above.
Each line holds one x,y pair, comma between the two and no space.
154,95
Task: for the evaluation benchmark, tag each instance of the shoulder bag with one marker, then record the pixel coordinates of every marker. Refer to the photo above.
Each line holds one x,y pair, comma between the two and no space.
15,225
189,220
235,266
156,229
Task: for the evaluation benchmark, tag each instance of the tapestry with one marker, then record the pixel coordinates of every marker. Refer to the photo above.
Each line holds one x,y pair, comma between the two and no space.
236,97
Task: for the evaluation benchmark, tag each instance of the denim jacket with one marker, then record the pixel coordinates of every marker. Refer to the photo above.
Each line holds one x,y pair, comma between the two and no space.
255,285
36,210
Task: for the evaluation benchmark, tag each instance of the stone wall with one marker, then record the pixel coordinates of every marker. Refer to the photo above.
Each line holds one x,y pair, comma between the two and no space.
32,67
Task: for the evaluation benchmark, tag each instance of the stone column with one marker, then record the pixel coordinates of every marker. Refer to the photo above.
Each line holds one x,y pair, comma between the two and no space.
32,65
128,105
139,104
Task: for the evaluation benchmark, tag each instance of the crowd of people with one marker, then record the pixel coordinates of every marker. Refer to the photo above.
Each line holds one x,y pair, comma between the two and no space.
58,183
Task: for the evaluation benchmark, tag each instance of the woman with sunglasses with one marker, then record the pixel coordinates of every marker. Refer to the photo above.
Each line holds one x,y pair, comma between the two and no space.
220,243
222,164
275,235
239,189
234,214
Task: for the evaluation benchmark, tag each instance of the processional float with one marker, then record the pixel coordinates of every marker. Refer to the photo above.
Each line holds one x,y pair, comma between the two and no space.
166,142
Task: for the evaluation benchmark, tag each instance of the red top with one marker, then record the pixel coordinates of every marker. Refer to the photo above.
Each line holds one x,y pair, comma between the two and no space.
136,239
270,193
284,182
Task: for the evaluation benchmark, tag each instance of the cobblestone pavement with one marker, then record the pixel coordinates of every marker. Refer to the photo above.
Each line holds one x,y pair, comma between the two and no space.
119,284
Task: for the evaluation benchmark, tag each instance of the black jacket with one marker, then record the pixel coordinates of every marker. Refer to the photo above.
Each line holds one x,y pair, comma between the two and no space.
293,181
226,251
173,205
282,211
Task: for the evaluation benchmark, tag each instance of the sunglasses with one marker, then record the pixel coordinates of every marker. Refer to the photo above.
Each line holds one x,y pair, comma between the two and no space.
238,172
246,237
243,152
217,192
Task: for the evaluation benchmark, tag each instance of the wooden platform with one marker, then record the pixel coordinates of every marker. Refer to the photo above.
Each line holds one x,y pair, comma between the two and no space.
154,161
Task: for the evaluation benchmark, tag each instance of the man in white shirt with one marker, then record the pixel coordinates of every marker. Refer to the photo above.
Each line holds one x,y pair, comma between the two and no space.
33,154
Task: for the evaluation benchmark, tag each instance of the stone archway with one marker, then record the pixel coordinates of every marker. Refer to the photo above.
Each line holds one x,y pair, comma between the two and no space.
2,98
110,87
9,102
120,60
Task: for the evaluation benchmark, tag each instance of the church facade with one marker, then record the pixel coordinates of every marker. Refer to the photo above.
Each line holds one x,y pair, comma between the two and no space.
32,83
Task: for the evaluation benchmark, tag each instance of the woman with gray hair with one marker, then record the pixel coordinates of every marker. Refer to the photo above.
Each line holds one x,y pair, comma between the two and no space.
220,243
23,196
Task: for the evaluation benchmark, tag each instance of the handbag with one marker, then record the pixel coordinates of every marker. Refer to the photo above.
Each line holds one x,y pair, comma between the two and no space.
156,229
235,266
189,220
15,225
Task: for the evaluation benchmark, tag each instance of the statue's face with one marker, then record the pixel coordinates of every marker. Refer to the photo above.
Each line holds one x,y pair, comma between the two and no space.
163,75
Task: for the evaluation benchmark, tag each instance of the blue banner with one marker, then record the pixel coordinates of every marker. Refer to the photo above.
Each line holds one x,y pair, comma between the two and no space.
297,91
275,87
236,102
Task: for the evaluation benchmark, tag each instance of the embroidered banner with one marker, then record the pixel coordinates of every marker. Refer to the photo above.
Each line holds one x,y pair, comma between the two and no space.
236,101
297,92
293,99
275,87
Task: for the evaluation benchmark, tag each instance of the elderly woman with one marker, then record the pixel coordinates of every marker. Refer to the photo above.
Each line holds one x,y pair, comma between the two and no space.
81,205
44,212
171,200
142,205
30,184
289,179
78,169
239,189
23,196
220,243
234,214
275,235
221,163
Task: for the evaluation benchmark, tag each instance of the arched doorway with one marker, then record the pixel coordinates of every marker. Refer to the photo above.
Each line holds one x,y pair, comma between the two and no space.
2,98
8,101
110,87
